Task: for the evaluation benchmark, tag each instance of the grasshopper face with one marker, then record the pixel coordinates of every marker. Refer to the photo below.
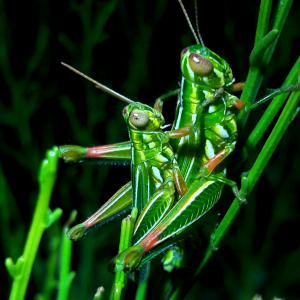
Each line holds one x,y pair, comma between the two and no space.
142,117
202,66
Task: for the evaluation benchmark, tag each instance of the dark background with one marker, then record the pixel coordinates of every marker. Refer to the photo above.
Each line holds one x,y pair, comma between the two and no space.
133,47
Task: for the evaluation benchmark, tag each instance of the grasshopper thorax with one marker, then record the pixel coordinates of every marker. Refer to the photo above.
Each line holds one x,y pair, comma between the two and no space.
142,117
202,66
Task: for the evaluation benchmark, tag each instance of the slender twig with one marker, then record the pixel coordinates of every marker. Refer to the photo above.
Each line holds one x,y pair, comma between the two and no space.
22,269
141,291
268,115
263,20
255,75
65,276
125,242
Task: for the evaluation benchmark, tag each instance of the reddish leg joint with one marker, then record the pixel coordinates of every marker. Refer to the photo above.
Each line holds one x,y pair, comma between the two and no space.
236,87
96,152
150,241
181,132
217,159
179,182
239,104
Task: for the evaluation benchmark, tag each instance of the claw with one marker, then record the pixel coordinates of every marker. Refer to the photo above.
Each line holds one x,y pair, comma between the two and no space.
71,153
77,232
127,260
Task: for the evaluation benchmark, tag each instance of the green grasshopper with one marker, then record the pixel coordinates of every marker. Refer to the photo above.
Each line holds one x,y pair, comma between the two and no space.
205,103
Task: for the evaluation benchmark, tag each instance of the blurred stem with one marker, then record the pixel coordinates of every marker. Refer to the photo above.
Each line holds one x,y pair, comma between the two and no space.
99,294
125,242
141,291
50,282
143,281
281,126
22,269
8,213
65,276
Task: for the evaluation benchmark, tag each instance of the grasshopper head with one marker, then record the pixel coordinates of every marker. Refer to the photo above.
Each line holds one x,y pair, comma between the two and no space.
142,117
201,65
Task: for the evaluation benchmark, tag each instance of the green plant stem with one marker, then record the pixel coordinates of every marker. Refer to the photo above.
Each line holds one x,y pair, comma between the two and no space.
263,20
143,281
22,270
65,276
268,115
50,280
282,124
125,242
251,88
141,291
256,70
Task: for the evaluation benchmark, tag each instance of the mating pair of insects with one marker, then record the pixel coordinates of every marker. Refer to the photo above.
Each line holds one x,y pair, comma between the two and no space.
177,176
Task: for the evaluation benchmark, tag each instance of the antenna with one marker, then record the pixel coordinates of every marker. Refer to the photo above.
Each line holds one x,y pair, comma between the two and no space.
189,22
197,23
101,86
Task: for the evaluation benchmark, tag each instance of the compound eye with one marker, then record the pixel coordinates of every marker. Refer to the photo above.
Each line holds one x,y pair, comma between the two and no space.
124,111
200,65
139,118
184,51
